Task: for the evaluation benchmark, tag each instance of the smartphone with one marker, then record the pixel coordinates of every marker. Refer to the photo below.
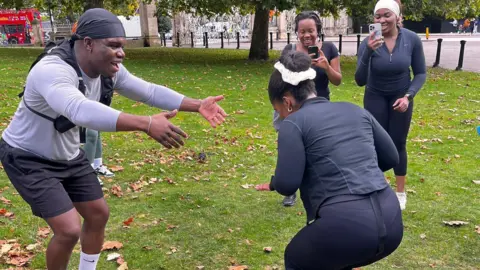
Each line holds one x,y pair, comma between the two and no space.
313,50
377,29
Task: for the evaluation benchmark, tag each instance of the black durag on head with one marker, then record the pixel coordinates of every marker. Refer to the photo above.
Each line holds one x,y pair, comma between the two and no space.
98,23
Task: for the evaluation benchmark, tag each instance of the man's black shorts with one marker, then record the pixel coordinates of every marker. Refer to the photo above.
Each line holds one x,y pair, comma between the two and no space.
50,187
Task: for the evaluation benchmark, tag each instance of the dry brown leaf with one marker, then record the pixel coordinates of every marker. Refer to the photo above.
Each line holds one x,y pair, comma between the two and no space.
5,201
238,267
248,242
31,247
43,232
5,249
120,260
109,245
128,221
116,168
432,265
267,249
123,266
9,215
455,223
117,191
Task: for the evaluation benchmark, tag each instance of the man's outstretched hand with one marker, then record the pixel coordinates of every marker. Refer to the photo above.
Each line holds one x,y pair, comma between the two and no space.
211,111
165,132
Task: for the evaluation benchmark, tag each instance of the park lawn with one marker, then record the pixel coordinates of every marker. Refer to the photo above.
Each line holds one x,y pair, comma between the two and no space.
188,212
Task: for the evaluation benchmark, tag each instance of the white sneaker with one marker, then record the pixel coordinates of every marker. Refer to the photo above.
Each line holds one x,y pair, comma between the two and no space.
402,199
104,171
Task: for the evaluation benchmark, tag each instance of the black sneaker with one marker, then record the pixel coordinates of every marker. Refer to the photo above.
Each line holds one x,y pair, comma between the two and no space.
290,200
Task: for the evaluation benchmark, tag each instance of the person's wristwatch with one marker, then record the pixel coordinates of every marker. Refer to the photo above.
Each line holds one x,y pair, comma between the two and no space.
409,97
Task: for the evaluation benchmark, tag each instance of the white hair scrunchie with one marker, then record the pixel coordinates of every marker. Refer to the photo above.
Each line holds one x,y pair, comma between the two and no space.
294,78
388,4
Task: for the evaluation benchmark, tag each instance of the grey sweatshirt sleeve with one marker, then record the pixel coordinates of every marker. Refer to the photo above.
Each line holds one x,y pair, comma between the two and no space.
291,160
363,63
419,67
61,93
134,88
387,153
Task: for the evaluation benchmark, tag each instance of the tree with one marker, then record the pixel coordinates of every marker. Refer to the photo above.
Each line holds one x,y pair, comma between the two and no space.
71,9
164,24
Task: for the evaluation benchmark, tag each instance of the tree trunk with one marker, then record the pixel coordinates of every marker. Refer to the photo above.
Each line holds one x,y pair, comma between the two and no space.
259,44
92,4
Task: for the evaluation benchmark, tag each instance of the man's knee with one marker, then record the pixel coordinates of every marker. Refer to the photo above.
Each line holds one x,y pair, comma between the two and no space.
69,234
98,215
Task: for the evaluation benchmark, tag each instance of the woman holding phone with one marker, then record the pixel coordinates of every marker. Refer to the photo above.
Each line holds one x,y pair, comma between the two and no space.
383,66
308,27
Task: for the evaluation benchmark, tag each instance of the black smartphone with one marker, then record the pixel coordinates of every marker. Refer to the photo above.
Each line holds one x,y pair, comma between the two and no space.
313,50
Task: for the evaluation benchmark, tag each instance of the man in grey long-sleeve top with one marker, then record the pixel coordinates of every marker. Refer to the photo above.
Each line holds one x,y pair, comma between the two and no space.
383,66
44,161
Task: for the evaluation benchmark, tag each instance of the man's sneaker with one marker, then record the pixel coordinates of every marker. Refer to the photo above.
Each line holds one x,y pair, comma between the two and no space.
100,181
402,199
102,170
290,200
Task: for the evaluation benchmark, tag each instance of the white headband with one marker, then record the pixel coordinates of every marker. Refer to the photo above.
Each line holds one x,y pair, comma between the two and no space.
294,78
388,4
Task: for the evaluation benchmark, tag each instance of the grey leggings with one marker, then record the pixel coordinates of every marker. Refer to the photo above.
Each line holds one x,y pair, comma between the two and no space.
93,145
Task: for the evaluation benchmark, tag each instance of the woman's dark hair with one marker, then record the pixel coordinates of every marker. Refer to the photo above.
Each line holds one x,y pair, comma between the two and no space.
308,15
295,62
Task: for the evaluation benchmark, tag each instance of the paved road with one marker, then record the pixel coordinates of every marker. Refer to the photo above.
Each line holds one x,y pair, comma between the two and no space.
448,58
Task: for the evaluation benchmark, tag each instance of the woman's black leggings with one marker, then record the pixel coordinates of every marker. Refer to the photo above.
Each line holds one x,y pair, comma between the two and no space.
397,124
348,234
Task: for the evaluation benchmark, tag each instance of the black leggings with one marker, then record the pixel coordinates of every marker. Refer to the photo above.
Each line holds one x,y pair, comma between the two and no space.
397,124
348,234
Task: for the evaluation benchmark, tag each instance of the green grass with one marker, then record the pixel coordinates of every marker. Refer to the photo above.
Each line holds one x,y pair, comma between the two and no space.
207,199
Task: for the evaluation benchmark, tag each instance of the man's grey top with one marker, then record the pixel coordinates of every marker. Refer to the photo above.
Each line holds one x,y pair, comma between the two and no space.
331,148
389,74
52,89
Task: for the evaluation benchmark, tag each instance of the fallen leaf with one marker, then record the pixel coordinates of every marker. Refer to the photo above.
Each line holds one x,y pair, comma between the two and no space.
123,266
477,229
5,248
247,186
116,168
5,201
248,242
432,265
423,236
476,182
267,249
43,232
120,260
117,191
128,221
238,267
200,267
230,230
240,112
31,247
108,245
113,256
438,193
3,211
455,223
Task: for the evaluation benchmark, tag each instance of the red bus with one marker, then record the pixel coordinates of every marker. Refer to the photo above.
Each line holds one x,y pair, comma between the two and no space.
17,26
